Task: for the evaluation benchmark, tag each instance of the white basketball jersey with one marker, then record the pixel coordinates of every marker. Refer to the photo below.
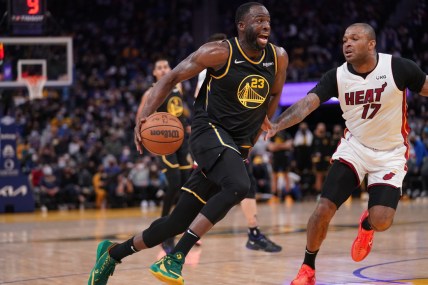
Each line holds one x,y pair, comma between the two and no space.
374,108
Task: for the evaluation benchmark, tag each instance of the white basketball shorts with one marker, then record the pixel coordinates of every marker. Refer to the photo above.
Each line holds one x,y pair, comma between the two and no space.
384,167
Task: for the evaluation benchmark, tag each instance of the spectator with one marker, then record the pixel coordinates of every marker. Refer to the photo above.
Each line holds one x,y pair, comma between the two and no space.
84,182
417,154
69,189
99,181
295,189
280,147
139,177
50,196
123,195
261,173
302,147
321,154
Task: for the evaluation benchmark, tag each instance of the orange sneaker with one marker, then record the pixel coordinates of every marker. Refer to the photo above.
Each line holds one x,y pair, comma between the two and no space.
306,276
363,243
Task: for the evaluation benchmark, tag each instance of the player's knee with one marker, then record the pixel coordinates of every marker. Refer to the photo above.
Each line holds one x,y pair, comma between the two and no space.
325,210
235,189
239,188
380,223
174,224
381,217
179,221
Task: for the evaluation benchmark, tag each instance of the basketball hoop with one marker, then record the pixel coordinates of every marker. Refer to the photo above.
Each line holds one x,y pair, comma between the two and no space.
35,84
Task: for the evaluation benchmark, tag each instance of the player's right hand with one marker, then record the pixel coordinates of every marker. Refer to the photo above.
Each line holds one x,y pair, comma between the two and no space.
270,128
137,134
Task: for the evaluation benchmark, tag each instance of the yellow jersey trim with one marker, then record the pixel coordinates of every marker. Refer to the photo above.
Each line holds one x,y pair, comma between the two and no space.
169,164
275,56
228,63
246,146
184,167
246,57
208,92
221,140
194,194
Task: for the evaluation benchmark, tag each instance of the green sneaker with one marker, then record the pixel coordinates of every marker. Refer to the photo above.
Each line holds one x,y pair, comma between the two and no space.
104,266
168,269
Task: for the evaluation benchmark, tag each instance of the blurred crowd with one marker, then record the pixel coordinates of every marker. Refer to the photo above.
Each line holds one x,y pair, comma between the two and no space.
77,143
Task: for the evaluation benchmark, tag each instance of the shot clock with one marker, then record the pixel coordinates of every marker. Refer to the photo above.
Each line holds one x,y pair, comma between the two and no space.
27,17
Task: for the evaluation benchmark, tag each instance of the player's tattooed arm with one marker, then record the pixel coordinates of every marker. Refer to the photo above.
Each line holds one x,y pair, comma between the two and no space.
294,114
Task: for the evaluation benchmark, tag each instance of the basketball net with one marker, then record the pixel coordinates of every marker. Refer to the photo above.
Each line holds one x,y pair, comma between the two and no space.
35,84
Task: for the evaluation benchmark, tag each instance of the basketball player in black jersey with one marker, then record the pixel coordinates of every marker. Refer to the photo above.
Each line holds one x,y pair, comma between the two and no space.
256,239
176,166
245,77
371,88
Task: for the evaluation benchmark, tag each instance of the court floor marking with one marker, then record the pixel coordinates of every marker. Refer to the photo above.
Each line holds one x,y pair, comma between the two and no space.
358,272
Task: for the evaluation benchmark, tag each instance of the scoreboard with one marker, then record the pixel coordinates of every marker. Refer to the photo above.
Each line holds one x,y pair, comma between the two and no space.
27,17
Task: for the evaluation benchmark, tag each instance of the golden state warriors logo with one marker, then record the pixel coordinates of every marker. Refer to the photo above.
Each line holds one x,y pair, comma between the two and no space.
252,91
175,106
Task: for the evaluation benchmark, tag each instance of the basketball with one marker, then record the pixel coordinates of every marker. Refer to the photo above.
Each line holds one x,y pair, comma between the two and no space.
162,133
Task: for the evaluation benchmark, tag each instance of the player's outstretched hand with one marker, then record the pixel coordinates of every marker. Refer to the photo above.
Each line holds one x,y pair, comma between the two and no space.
137,134
270,128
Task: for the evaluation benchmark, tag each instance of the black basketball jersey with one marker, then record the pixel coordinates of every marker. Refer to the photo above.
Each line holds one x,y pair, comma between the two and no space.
173,104
235,98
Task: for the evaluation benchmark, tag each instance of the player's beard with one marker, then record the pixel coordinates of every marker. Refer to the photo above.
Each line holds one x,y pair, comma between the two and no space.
251,38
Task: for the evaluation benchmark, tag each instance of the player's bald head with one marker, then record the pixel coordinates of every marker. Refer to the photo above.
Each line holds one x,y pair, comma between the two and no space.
368,30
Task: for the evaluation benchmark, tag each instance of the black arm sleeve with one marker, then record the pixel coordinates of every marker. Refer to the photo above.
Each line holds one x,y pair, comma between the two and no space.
327,86
407,74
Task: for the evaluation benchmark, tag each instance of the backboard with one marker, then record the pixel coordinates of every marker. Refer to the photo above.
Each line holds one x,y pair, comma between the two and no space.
51,57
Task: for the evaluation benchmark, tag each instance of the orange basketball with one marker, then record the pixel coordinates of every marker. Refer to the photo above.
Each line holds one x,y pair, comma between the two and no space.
162,133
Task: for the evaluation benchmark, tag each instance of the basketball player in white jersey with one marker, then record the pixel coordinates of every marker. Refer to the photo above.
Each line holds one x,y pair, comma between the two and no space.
371,88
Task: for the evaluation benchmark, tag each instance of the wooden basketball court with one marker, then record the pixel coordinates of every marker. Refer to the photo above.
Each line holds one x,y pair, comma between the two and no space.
59,247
